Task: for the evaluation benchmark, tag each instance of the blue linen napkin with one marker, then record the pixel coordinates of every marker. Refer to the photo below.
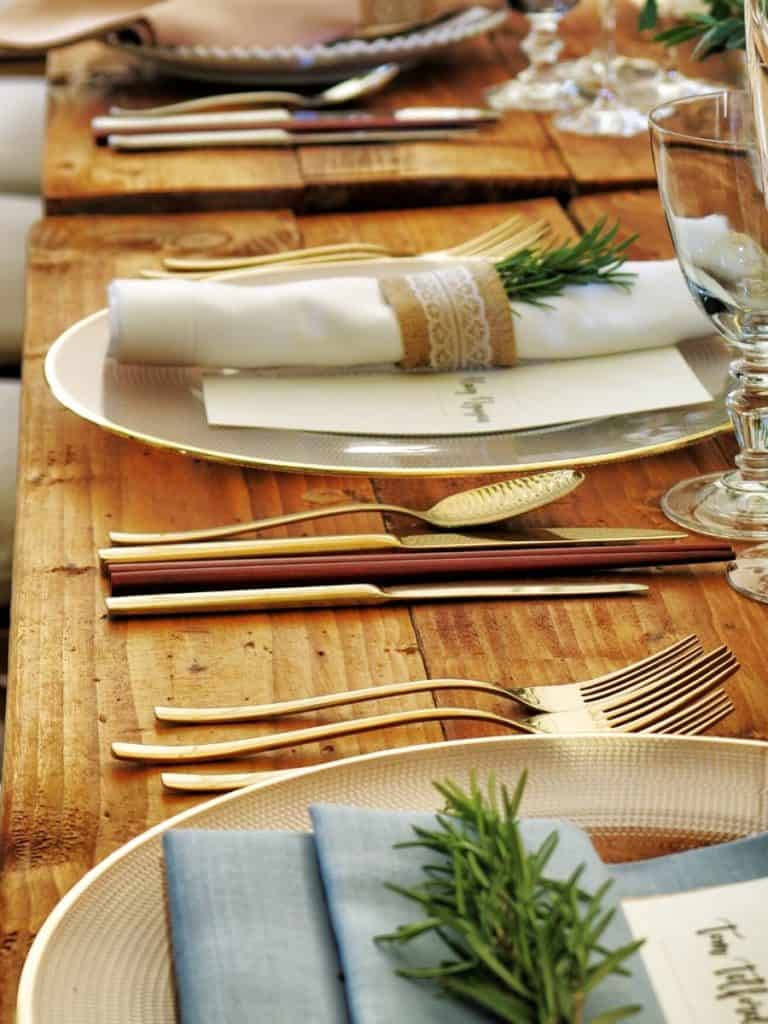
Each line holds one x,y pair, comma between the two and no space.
741,860
251,938
354,848
250,933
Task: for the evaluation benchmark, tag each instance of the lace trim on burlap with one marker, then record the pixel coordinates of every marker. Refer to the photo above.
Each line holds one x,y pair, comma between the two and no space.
454,318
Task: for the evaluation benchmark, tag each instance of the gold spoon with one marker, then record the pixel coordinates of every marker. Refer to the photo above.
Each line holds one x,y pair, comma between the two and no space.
341,92
476,507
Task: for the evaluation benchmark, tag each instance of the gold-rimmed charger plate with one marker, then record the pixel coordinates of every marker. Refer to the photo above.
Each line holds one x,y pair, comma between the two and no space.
163,407
103,955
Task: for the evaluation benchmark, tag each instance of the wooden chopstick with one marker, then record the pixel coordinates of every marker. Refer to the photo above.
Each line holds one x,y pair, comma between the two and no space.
218,574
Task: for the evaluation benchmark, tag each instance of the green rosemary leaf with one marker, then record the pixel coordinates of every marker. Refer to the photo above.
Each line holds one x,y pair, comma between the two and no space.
490,997
535,274
618,1014
521,945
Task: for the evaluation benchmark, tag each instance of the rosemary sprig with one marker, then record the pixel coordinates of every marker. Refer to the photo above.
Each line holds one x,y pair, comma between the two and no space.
720,28
534,274
521,945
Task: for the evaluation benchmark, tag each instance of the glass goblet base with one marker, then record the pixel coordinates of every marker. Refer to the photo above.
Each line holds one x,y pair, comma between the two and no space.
720,505
748,575
528,92
606,115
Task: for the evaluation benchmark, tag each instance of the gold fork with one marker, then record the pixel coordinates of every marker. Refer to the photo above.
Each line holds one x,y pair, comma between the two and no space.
694,705
656,669
506,238
695,719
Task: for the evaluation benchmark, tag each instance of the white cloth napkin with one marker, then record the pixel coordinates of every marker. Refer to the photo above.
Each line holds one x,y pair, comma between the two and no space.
344,322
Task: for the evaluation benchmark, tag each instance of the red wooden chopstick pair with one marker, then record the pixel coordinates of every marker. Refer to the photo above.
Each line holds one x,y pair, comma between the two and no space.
224,574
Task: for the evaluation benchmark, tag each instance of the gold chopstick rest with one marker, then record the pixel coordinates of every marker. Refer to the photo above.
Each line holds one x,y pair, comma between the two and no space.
552,536
279,598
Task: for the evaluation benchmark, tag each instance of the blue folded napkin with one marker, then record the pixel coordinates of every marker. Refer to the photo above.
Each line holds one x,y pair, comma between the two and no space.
250,933
354,848
252,939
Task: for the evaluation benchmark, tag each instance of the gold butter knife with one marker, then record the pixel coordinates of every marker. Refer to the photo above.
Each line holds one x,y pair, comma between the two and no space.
279,598
552,536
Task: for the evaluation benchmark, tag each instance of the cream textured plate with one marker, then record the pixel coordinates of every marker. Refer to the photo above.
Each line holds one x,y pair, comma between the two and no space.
103,957
163,407
314,64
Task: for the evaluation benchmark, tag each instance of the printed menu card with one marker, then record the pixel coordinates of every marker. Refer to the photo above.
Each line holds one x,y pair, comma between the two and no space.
706,952
482,402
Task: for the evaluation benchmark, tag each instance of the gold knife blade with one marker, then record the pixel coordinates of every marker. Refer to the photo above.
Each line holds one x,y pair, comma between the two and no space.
553,536
279,598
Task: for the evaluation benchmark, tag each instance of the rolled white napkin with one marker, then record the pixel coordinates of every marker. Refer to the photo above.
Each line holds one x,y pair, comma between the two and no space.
345,322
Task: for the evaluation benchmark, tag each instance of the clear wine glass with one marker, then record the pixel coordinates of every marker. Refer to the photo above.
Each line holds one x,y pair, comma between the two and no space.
539,86
710,180
608,113
669,83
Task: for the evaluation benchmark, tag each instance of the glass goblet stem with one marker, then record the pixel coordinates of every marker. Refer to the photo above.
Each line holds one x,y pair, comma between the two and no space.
541,46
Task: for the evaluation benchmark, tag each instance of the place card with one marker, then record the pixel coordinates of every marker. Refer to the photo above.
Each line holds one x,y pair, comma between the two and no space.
392,402
706,952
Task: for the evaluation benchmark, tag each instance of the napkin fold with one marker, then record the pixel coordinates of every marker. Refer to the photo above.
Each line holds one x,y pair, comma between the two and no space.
354,848
447,319
35,26
250,933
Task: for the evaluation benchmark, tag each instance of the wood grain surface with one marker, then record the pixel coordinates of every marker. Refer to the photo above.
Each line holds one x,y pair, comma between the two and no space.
522,155
78,681
514,157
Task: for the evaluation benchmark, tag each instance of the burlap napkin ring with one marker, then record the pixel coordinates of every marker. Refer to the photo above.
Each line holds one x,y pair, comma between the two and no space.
454,318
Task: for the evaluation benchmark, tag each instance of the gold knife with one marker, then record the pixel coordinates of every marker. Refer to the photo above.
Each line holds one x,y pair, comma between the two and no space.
278,598
553,536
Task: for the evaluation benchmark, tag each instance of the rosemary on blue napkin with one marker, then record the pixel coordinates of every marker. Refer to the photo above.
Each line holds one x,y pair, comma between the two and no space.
251,938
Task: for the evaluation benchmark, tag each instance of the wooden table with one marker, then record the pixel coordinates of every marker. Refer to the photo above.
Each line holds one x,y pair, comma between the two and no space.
79,681
521,156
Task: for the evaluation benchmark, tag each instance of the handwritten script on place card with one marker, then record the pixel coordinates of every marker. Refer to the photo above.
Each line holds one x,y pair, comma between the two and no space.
707,952
392,403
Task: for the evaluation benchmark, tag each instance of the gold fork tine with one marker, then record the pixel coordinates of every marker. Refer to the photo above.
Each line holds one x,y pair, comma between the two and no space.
604,686
691,712
555,697
705,713
502,243
662,712
682,679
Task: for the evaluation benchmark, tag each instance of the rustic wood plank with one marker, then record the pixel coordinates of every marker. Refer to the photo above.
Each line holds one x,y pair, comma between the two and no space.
514,158
79,176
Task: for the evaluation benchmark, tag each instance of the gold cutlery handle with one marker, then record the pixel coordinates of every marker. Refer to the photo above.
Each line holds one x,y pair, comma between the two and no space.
257,712
275,258
219,782
234,529
268,599
250,548
152,753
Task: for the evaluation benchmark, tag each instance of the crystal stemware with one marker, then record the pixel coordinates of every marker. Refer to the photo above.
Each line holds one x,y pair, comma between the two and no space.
539,86
608,113
709,175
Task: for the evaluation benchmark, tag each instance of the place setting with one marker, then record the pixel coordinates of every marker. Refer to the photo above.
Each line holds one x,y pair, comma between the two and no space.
392,526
